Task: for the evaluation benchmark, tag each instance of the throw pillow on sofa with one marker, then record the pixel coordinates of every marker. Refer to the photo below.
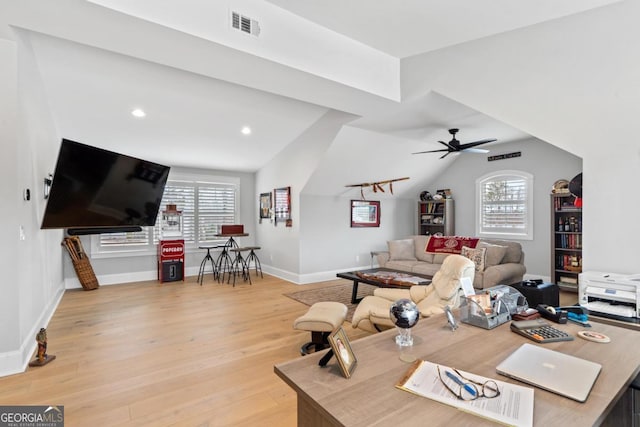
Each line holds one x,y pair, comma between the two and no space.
494,254
476,255
401,250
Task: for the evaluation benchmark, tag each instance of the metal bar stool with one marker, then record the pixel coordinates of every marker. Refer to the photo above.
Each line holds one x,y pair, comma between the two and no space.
203,264
239,266
224,263
254,258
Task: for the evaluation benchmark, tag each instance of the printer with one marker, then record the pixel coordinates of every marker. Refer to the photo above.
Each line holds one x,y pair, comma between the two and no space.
610,294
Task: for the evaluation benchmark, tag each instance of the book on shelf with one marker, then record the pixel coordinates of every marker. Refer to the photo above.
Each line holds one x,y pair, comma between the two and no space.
569,279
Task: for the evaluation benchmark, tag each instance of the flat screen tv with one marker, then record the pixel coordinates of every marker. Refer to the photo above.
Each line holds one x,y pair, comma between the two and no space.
97,188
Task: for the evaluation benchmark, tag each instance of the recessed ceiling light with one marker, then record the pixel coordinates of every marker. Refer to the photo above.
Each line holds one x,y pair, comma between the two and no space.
138,113
246,130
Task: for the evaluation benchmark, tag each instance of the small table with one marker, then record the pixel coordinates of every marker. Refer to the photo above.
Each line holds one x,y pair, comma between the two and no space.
368,277
224,261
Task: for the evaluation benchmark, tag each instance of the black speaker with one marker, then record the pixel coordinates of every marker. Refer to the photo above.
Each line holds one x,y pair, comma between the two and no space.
171,271
102,230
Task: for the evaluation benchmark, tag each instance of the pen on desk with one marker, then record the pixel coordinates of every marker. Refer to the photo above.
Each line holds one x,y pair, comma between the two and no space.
460,382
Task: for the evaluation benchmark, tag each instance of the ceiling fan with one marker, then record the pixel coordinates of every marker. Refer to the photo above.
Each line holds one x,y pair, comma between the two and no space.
454,145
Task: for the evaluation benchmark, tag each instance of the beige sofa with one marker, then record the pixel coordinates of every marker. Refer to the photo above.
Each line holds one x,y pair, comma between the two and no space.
503,260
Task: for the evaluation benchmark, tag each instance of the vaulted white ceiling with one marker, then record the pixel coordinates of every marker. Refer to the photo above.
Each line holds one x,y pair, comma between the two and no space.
200,81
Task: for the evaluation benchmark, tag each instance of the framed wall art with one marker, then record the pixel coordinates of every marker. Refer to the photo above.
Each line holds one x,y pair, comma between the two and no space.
282,205
265,205
365,213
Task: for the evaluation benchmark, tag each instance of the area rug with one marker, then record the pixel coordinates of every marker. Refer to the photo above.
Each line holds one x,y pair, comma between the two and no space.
339,293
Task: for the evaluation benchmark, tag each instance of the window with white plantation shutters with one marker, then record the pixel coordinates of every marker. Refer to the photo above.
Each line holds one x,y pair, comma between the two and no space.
183,195
505,205
216,206
205,207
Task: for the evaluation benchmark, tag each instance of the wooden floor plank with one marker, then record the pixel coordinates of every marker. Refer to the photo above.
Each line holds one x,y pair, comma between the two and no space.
156,354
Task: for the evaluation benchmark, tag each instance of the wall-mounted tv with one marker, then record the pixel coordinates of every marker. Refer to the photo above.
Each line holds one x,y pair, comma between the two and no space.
97,188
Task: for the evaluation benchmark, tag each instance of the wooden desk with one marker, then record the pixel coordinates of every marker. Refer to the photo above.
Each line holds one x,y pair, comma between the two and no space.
369,397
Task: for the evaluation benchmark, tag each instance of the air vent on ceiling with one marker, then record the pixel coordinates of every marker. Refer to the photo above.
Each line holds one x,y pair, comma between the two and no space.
245,24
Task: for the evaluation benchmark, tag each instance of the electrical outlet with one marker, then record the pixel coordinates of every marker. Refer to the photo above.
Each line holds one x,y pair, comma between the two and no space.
22,235
357,258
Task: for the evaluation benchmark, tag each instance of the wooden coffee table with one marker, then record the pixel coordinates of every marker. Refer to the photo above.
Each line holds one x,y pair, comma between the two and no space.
383,278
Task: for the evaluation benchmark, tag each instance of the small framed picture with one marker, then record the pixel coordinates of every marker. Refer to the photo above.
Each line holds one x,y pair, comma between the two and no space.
265,205
342,351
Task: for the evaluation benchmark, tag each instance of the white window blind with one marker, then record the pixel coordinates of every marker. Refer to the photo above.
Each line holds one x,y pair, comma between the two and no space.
505,205
183,195
216,206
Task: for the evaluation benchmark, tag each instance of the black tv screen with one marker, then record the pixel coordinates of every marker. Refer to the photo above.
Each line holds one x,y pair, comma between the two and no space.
93,187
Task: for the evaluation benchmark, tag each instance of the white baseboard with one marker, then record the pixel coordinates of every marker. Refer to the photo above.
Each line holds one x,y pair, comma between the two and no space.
141,276
15,362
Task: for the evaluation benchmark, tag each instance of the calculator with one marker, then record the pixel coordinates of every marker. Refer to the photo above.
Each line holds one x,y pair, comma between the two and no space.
539,331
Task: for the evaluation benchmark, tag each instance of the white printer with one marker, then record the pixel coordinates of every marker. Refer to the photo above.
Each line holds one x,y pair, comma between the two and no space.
610,293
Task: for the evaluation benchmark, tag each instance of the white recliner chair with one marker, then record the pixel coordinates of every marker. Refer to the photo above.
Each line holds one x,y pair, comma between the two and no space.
372,314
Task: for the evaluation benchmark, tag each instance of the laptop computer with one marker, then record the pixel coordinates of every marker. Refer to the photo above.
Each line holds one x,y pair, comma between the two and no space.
551,370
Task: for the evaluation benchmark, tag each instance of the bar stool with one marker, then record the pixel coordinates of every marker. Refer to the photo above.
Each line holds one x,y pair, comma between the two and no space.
254,258
238,266
224,263
203,264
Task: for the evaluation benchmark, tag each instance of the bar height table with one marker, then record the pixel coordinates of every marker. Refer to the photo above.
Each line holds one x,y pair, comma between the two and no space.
224,263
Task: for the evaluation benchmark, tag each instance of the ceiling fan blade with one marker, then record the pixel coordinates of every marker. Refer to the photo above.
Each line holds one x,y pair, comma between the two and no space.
476,143
431,151
446,154
476,150
446,144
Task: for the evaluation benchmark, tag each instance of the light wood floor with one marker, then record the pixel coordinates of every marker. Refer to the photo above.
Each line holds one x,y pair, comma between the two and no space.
151,354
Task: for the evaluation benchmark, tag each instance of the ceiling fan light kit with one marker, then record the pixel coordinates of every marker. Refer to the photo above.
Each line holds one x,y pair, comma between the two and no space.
454,145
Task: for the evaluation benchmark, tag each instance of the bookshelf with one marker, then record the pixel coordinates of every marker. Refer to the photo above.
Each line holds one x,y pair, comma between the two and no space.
566,241
436,217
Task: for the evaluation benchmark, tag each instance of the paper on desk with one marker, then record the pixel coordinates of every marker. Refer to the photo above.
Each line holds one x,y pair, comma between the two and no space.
513,407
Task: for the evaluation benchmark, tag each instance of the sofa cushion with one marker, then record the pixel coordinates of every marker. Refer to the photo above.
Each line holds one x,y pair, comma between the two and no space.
425,268
514,250
439,258
420,243
401,250
406,265
477,255
495,253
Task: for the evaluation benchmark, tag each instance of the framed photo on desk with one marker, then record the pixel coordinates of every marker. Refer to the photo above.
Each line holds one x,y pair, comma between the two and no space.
342,351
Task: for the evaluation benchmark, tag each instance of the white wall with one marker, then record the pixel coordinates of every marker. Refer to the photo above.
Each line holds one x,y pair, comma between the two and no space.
328,243
280,254
10,194
30,259
573,83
